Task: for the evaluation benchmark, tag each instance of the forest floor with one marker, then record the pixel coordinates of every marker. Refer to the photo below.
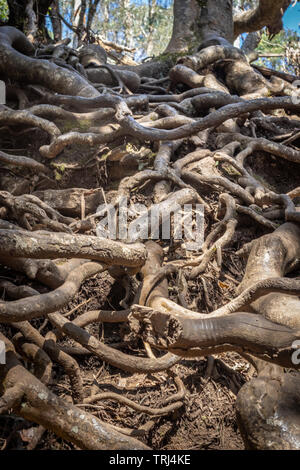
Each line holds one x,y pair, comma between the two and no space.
207,418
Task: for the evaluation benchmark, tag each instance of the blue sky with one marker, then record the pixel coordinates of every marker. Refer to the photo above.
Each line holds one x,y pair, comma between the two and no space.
291,19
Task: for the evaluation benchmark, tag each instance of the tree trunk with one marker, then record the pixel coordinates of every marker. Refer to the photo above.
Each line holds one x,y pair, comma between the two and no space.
197,21
127,23
18,16
186,14
267,13
92,10
56,22
151,18
78,15
216,21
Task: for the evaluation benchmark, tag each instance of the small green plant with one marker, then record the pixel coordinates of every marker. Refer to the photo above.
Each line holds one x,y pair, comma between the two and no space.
59,170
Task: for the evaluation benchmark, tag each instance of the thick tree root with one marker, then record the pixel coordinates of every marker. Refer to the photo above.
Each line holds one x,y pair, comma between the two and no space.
175,149
61,245
267,410
13,46
33,401
241,332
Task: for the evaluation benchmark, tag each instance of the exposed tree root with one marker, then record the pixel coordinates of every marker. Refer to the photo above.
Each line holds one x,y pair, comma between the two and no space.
33,401
13,46
41,304
140,408
270,401
61,245
17,160
239,332
199,135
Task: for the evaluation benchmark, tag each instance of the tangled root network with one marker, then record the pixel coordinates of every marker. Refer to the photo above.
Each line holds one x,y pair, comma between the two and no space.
148,319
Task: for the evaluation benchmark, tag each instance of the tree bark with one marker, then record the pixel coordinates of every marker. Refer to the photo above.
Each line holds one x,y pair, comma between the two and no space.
18,16
151,17
92,10
186,13
216,22
13,62
56,22
197,22
33,401
268,13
